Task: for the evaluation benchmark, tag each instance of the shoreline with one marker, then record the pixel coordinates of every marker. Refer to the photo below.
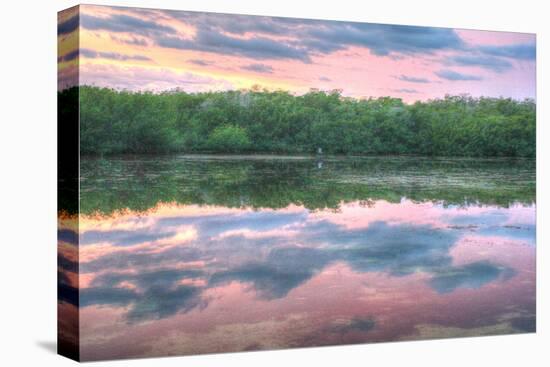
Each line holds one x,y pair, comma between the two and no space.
301,156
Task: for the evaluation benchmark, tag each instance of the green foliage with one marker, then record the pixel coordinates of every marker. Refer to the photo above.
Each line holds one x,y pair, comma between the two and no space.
228,138
116,122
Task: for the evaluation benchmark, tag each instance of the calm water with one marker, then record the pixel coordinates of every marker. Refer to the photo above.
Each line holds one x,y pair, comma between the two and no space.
201,254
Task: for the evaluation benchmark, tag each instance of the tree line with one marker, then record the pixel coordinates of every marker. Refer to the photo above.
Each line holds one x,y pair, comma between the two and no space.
262,121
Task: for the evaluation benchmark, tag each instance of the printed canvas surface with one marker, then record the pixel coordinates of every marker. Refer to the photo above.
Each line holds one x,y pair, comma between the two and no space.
236,183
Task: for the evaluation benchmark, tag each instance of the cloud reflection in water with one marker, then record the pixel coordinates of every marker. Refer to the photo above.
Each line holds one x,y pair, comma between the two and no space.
275,255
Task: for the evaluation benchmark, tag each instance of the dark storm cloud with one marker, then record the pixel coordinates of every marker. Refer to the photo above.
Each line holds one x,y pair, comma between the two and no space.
283,270
406,90
164,277
487,62
158,295
382,39
412,79
92,54
68,236
456,76
68,56
124,23
258,68
272,264
67,264
161,302
300,39
494,58
526,51
65,292
107,296
363,325
241,24
260,48
67,26
130,41
269,282
398,250
199,62
127,259
471,276
526,324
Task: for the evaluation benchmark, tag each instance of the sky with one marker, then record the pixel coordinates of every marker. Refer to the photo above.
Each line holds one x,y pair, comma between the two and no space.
156,50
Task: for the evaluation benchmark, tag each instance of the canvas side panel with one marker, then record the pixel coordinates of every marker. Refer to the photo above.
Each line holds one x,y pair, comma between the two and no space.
68,182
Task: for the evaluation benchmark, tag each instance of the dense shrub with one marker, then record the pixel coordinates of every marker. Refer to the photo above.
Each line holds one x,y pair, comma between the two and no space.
114,122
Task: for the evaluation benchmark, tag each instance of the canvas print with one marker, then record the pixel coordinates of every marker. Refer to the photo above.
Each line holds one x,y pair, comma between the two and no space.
240,183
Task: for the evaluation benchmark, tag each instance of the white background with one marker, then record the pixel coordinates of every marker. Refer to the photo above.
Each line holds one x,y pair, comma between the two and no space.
28,53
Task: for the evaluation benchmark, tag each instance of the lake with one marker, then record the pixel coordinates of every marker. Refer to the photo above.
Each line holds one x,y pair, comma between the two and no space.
204,254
